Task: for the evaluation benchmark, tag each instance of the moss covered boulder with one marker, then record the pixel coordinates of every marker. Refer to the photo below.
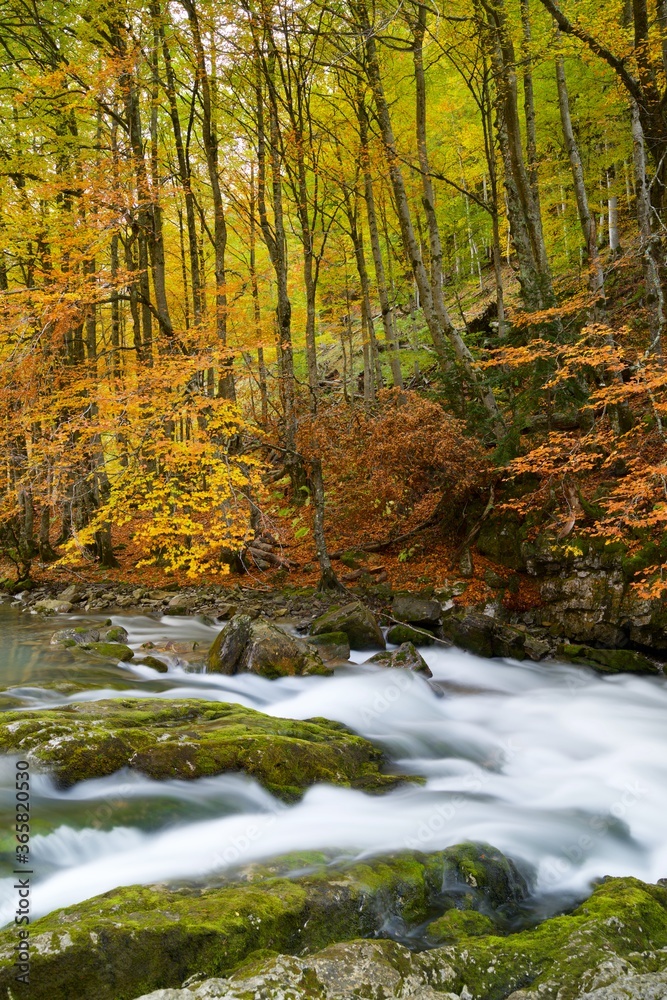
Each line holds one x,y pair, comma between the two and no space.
610,661
112,650
262,648
331,645
398,634
612,947
195,739
133,940
356,621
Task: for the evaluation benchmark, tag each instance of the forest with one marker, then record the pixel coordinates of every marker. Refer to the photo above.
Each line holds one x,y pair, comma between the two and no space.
310,276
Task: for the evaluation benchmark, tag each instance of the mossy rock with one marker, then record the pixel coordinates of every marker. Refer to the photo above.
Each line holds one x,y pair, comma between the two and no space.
132,940
406,657
611,661
612,947
331,645
113,650
398,634
195,739
115,633
154,662
356,621
481,870
457,924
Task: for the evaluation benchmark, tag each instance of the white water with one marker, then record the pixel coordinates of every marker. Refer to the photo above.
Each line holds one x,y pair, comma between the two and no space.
557,765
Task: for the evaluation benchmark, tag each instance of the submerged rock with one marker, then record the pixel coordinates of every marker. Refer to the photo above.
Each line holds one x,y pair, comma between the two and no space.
114,650
80,636
406,657
356,621
613,947
188,740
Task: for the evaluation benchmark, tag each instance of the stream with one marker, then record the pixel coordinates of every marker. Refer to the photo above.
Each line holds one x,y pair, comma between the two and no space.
553,764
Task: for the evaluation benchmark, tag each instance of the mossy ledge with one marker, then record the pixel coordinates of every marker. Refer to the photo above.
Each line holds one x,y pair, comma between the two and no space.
613,947
194,739
136,939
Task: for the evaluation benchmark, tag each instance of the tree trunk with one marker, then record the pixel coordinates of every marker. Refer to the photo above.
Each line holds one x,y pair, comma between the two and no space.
650,242
586,217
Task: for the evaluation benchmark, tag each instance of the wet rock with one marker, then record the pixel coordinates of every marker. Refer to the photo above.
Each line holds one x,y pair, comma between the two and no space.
482,872
612,947
417,611
608,660
75,636
154,662
356,621
135,939
227,648
114,650
272,653
398,634
189,740
114,633
406,657
484,635
331,645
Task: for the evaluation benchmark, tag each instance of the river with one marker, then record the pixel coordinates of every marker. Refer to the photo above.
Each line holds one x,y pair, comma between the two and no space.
553,764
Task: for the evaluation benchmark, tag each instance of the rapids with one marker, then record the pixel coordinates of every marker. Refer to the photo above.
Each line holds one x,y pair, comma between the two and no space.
554,764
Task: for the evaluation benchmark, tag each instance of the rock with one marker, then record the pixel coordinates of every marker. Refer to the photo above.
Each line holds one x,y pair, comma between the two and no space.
406,657
228,645
75,636
356,621
536,649
114,633
417,611
180,604
115,650
186,740
483,873
331,645
612,947
72,594
139,938
226,610
271,653
160,595
154,662
608,660
54,607
466,567
481,634
399,634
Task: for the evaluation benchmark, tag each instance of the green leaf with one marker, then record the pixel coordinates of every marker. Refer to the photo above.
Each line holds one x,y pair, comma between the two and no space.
302,532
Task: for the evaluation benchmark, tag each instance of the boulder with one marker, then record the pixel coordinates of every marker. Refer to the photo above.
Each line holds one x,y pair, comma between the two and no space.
193,739
612,947
271,653
53,606
80,636
331,645
154,662
417,611
228,645
356,621
481,872
114,633
135,939
398,634
608,660
180,604
484,635
72,594
114,650
406,657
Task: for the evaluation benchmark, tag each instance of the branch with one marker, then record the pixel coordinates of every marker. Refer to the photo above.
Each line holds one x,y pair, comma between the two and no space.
618,65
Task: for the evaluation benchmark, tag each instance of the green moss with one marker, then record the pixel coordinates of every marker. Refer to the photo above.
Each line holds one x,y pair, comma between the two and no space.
623,917
193,739
607,660
457,924
398,634
115,650
133,940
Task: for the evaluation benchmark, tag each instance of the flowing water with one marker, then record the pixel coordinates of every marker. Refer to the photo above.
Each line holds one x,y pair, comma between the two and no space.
553,764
